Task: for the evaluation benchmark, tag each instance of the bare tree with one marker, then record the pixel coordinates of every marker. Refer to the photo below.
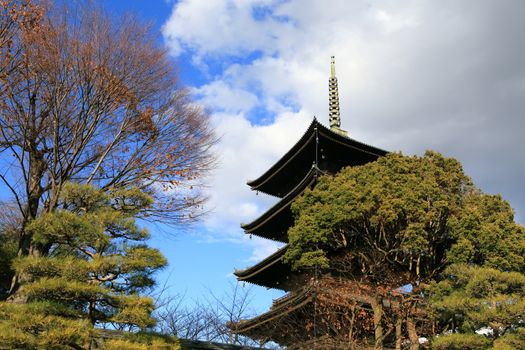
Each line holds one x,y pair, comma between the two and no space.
207,319
95,100
16,18
231,307
10,218
195,323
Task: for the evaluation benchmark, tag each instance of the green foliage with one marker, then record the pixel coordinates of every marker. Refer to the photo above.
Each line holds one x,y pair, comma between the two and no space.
461,342
92,219
472,297
510,341
420,219
485,285
41,326
143,341
9,236
485,234
392,213
97,267
134,310
8,252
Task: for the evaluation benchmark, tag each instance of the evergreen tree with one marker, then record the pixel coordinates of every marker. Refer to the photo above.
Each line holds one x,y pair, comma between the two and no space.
97,267
483,290
486,300
420,220
392,214
9,224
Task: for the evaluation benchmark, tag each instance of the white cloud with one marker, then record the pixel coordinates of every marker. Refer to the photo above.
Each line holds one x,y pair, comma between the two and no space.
392,23
221,97
413,75
245,152
223,27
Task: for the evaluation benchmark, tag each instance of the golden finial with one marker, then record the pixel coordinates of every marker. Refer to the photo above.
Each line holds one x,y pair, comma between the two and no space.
334,115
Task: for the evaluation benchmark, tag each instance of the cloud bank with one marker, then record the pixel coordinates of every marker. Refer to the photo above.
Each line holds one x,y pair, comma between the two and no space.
413,75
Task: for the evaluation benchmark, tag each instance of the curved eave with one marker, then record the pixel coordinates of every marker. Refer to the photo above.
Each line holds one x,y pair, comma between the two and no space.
276,180
305,303
257,184
293,302
261,265
271,272
274,223
350,142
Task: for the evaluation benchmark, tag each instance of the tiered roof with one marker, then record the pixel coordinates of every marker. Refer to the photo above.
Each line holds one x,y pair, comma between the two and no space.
287,320
274,223
270,272
319,145
321,150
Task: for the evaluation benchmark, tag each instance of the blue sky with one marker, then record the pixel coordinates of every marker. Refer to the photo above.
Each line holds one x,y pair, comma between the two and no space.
201,258
413,75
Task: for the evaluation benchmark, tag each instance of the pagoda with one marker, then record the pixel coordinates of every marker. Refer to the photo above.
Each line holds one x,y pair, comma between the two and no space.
315,311
321,150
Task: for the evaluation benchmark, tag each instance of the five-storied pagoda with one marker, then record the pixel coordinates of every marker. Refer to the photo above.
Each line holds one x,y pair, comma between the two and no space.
337,315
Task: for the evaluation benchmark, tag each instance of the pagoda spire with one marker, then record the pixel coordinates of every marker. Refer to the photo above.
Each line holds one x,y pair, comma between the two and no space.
334,114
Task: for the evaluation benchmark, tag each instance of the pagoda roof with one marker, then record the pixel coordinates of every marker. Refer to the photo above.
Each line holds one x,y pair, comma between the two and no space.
274,223
265,324
288,311
321,145
270,272
295,300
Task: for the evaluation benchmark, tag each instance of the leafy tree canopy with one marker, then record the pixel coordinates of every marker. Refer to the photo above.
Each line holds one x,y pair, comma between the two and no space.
412,214
485,234
390,213
471,299
97,266
420,219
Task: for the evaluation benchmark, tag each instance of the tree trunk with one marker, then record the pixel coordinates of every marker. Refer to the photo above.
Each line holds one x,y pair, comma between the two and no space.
26,245
412,333
351,331
399,332
377,308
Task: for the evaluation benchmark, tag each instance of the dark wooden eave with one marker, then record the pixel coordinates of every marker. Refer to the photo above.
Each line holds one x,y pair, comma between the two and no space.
274,223
265,324
332,152
291,303
271,272
298,305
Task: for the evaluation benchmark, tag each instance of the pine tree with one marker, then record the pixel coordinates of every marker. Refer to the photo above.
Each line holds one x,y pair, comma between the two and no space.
97,268
473,299
9,222
483,289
